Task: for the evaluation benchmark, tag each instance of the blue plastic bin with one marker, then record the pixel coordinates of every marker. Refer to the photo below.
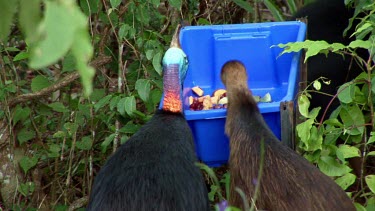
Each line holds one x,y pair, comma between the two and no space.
209,47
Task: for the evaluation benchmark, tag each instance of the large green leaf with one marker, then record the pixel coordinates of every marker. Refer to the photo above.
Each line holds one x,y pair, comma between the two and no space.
27,163
346,92
370,181
332,167
353,119
25,135
143,87
345,181
7,10
39,82
29,17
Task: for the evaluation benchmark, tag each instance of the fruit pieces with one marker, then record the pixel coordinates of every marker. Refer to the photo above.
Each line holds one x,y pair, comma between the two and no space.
220,93
198,91
217,100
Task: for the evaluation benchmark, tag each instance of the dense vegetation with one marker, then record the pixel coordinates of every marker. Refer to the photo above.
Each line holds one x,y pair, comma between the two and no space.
56,130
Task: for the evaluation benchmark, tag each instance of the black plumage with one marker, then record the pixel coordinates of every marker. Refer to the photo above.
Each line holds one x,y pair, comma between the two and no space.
155,169
327,20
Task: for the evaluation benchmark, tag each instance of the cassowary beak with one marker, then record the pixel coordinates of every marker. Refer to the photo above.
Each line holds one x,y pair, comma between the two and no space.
176,37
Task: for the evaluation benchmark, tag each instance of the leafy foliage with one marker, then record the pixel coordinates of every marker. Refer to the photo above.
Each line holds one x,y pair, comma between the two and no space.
348,132
65,134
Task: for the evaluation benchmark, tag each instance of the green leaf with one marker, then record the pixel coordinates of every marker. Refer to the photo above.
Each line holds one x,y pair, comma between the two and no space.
107,142
21,56
29,16
315,47
176,3
149,54
115,3
83,51
7,9
372,153
353,119
20,114
69,63
28,163
347,151
130,105
346,181
114,102
54,150
103,102
58,107
373,85
156,62
315,141
156,96
359,207
25,135
303,105
143,87
27,188
372,138
59,134
360,44
370,181
85,143
39,82
130,128
332,167
346,92
314,113
124,30
273,8
59,26
303,130
244,5
71,127
317,85
64,27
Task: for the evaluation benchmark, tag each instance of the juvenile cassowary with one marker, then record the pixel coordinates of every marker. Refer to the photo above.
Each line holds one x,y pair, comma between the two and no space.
155,169
288,182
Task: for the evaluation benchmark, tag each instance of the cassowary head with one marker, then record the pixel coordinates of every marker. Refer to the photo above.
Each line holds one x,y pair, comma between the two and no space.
175,66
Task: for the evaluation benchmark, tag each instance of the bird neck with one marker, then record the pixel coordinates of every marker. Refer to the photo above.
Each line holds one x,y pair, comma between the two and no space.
172,93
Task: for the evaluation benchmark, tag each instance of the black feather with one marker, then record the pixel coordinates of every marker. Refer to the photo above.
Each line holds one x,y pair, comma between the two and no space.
154,170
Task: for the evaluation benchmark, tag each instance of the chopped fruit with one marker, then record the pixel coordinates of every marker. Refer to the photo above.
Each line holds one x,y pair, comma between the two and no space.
207,102
214,100
191,100
218,100
219,93
266,98
223,100
200,99
256,98
198,91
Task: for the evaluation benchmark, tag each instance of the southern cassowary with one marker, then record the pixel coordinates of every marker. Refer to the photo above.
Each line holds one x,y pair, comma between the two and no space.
327,20
288,181
155,169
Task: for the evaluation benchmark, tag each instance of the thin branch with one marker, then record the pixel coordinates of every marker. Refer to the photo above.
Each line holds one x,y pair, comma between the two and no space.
100,61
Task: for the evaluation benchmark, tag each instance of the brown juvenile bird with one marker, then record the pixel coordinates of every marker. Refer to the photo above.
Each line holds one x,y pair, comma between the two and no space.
289,181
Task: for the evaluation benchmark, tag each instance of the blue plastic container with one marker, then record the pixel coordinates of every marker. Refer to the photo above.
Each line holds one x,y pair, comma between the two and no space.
209,47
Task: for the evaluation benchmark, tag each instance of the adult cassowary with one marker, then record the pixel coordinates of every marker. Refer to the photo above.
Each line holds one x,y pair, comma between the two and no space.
327,20
288,181
155,169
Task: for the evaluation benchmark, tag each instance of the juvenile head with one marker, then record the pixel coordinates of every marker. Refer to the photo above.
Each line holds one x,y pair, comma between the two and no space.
175,66
233,75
